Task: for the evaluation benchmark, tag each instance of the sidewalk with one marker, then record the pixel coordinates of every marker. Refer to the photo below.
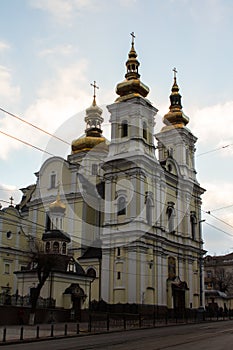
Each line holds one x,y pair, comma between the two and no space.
16,333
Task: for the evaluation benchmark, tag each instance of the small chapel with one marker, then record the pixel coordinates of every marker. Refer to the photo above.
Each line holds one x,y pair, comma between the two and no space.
124,214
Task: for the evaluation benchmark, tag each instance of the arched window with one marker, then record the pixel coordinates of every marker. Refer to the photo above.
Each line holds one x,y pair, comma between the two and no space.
55,247
91,272
193,221
63,248
144,125
124,128
121,206
149,207
171,267
170,216
47,247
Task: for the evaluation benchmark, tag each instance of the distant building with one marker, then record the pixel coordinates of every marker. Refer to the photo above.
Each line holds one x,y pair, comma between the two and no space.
219,273
14,249
218,280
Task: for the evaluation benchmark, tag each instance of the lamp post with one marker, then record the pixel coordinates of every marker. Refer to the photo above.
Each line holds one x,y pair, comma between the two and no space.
90,293
200,265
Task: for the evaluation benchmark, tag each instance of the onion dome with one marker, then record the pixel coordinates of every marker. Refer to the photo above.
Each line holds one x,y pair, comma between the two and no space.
175,118
93,130
132,86
58,206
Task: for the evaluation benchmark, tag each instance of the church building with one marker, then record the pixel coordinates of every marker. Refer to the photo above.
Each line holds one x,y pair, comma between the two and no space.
126,210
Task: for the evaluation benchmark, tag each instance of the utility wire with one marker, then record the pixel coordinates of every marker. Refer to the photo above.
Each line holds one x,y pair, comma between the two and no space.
224,222
68,143
26,143
214,150
219,229
34,126
226,207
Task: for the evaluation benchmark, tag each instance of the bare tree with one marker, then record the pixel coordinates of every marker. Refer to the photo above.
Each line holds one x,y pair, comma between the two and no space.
44,264
223,280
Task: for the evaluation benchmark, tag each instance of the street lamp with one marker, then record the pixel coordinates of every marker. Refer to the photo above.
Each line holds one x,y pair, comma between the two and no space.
201,263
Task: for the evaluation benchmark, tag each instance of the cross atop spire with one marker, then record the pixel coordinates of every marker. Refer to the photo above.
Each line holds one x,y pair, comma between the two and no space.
133,37
95,87
175,71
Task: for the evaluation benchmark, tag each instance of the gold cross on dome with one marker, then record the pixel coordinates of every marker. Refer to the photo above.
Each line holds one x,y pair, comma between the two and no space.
133,37
95,87
175,71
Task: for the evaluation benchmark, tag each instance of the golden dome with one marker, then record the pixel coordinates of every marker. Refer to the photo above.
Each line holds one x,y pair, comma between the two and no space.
132,86
57,205
175,118
92,141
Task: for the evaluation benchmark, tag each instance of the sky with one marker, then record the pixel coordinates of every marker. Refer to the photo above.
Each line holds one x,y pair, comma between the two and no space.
51,51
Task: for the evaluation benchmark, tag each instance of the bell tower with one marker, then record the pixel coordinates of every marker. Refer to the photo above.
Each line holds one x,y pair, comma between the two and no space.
132,115
175,139
132,177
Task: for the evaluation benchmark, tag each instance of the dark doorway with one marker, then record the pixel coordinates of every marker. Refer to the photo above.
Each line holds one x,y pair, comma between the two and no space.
179,302
76,307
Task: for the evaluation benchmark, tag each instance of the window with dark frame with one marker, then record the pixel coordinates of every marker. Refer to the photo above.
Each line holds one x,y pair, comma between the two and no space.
53,181
124,128
121,206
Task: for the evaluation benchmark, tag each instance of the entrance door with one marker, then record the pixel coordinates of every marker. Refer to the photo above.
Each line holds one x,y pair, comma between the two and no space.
179,302
77,307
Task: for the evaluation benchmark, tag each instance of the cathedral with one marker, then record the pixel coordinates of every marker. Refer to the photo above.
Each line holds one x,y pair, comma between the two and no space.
127,211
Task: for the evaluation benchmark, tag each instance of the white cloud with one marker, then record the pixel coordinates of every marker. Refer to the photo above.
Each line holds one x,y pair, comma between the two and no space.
64,10
6,191
57,99
127,3
4,46
213,125
58,50
8,94
62,96
218,228
218,196
8,91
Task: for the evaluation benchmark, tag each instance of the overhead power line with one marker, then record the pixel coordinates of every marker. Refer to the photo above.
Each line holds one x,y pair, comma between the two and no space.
26,143
214,150
68,143
34,126
227,206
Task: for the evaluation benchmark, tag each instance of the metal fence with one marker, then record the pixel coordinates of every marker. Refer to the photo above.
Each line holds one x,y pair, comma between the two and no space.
99,322
17,300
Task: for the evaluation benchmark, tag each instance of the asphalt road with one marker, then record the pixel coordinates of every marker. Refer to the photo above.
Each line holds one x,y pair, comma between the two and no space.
205,336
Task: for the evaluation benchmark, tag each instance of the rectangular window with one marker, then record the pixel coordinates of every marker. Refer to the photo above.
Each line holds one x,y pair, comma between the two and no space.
118,251
118,275
94,169
53,181
7,269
